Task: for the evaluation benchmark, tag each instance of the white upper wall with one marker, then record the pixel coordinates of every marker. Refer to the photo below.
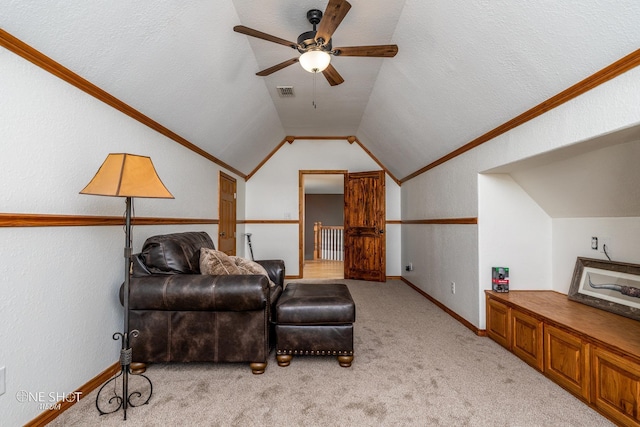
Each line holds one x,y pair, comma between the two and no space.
273,192
514,232
572,239
56,137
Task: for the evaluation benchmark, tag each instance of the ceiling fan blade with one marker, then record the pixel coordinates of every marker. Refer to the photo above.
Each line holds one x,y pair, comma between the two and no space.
333,77
264,36
278,67
382,51
332,17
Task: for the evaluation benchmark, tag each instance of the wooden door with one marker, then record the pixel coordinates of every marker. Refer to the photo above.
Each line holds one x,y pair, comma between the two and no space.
364,225
227,214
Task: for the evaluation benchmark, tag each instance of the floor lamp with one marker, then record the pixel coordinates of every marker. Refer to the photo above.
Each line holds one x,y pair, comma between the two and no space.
126,175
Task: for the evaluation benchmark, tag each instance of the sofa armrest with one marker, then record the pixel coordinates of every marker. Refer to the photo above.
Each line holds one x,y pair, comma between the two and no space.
198,292
275,268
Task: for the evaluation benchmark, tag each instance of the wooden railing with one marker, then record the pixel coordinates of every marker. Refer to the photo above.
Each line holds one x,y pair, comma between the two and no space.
328,242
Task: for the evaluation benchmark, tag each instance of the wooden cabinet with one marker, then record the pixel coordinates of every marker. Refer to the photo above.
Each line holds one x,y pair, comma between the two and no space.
616,387
515,331
498,324
591,353
526,338
566,361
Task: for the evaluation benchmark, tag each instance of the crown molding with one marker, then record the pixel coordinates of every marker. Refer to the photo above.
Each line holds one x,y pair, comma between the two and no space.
608,73
34,56
39,59
349,138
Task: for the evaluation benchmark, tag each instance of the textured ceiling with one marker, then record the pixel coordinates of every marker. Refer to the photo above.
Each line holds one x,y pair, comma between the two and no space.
463,67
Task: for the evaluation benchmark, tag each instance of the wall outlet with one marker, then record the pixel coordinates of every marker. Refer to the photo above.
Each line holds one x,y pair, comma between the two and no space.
453,287
594,243
3,386
409,267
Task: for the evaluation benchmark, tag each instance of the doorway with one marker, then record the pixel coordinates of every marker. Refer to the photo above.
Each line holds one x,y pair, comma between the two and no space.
322,224
227,214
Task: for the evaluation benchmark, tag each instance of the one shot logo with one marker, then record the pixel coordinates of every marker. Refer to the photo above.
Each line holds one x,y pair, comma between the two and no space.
48,401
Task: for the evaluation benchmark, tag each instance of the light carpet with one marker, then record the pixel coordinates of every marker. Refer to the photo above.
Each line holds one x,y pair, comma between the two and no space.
414,365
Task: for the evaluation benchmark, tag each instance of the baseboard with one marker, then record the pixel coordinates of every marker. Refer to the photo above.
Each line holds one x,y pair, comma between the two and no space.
62,405
465,322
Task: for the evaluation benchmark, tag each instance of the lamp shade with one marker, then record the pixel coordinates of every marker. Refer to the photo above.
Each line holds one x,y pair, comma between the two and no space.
315,61
127,175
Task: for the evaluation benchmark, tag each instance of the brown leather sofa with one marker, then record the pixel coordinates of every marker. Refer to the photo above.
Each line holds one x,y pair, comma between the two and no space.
184,316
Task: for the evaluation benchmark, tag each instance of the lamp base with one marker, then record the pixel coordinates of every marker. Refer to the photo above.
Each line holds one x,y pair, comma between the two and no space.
111,401
137,368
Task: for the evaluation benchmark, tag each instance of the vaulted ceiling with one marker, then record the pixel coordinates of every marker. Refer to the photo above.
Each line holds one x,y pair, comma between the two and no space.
463,67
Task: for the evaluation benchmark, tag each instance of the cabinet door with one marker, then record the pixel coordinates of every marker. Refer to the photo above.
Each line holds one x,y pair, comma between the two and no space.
527,338
498,325
615,388
566,361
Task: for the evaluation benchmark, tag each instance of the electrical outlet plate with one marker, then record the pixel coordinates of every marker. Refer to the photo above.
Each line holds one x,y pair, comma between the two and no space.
3,386
453,287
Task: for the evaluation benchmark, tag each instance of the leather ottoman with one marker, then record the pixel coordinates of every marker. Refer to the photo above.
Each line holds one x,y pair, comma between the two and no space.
315,319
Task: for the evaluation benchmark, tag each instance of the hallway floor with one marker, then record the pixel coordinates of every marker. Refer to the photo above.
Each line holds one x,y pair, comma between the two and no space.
323,269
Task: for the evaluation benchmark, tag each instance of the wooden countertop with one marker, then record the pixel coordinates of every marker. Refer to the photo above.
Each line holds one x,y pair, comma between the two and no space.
610,330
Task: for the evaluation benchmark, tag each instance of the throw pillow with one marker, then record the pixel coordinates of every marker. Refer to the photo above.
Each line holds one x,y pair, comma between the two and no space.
251,267
214,262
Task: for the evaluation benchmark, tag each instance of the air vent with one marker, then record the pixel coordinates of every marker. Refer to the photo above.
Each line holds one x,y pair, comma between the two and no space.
285,91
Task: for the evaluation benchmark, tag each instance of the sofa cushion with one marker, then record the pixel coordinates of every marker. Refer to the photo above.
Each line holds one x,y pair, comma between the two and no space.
175,253
251,267
214,263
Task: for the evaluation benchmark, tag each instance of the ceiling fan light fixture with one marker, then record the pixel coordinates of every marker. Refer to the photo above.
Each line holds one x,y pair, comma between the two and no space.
315,46
315,61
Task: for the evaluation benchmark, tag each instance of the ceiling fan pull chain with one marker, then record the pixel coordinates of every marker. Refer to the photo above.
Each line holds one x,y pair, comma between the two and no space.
314,92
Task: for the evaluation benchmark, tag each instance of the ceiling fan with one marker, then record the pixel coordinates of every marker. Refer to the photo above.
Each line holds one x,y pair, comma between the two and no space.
316,47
